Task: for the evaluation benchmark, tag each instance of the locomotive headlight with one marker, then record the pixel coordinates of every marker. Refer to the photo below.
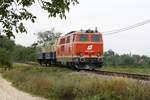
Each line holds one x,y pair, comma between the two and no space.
100,58
82,59
98,54
81,54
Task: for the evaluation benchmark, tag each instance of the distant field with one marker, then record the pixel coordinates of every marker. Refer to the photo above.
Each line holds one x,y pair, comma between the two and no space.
64,84
131,69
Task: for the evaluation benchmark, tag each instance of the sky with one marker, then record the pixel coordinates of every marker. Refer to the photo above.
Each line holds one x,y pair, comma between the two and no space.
107,15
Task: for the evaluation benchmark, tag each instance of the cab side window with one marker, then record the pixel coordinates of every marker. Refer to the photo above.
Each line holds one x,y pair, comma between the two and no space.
62,41
68,39
74,36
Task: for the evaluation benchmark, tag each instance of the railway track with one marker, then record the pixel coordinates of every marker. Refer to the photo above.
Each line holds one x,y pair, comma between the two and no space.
120,74
111,73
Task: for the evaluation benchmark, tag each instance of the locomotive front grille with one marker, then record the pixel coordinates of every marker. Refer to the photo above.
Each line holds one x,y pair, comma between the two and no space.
90,59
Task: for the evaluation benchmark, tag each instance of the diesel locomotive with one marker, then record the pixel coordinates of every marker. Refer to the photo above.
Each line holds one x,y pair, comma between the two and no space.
77,49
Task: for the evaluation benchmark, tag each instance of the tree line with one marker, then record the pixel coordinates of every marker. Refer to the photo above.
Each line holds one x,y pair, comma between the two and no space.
10,52
24,54
113,59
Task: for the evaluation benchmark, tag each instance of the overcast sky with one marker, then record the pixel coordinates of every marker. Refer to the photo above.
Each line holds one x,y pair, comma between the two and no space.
107,15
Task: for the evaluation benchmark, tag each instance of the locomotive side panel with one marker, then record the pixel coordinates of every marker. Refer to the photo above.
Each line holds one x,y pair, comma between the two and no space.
64,50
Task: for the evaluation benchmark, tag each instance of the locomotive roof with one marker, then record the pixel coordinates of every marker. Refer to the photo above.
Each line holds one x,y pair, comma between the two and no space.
82,32
79,32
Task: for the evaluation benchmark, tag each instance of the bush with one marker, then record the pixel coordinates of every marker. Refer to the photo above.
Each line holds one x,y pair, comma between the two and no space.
6,52
24,54
5,58
113,59
63,84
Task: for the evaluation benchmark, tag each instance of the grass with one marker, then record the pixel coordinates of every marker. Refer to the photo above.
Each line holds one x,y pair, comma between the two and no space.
131,69
63,84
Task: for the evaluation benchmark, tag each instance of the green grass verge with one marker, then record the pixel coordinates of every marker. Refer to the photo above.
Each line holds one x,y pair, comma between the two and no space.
128,69
63,84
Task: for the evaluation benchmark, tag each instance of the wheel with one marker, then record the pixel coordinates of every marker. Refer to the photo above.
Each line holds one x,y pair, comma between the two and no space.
77,68
92,69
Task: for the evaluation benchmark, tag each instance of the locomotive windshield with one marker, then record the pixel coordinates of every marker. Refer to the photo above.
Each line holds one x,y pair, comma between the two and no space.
95,38
83,38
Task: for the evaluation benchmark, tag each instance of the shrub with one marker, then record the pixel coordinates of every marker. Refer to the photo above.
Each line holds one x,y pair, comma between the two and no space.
63,84
6,52
5,58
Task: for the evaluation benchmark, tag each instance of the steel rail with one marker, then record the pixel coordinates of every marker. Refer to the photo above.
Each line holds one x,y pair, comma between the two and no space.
120,74
112,73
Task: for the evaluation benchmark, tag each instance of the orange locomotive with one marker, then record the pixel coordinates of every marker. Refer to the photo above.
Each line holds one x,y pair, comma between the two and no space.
81,50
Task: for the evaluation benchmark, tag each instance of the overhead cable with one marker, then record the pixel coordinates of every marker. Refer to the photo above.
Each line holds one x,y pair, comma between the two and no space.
126,28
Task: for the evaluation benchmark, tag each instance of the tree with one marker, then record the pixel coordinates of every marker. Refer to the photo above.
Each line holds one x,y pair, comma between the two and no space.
127,60
113,59
13,12
24,54
47,37
6,52
47,40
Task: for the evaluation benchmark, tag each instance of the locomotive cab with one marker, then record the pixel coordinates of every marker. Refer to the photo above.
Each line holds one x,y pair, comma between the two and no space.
88,50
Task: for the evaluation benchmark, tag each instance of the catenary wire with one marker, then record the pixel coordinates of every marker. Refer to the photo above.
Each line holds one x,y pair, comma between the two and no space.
126,28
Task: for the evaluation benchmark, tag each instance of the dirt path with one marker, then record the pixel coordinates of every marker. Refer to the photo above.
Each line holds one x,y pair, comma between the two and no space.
8,92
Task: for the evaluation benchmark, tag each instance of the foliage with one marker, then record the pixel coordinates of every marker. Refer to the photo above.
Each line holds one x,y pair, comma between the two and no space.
47,37
46,40
14,12
113,59
5,58
128,69
6,51
6,43
63,84
24,54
